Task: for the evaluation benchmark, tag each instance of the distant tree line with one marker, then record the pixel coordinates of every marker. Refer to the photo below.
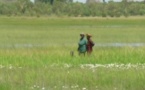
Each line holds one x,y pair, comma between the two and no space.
68,8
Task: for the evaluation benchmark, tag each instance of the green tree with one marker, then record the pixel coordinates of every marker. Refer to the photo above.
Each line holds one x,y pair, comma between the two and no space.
52,1
125,5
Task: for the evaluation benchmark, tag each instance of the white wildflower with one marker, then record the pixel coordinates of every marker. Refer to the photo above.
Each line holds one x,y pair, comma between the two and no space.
64,86
43,88
20,67
1,66
82,66
76,86
84,88
37,86
34,86
10,67
67,65
114,65
72,87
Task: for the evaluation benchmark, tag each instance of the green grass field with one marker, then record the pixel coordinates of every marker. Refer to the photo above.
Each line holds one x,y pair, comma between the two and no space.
35,54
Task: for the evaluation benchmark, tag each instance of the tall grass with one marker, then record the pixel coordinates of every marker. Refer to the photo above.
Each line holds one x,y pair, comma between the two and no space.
70,78
63,31
35,54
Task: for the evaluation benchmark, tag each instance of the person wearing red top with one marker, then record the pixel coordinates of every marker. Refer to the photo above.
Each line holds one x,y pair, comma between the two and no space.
90,44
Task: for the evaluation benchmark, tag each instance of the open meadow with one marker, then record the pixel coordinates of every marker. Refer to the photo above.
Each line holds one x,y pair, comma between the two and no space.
35,53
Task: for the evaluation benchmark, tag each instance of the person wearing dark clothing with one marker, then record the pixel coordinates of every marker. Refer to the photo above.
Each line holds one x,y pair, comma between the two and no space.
90,44
82,44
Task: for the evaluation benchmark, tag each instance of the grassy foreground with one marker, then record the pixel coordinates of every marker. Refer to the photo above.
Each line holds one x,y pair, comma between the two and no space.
35,54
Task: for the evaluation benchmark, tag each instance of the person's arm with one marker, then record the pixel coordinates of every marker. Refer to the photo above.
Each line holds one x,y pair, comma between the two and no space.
92,43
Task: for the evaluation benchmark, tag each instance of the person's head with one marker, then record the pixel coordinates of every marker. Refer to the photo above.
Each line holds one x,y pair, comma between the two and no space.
82,35
88,36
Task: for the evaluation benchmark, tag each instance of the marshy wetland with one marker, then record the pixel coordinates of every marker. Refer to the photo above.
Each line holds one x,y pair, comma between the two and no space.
35,53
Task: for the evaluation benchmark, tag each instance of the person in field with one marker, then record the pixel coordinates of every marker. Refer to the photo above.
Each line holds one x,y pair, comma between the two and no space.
90,44
82,44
